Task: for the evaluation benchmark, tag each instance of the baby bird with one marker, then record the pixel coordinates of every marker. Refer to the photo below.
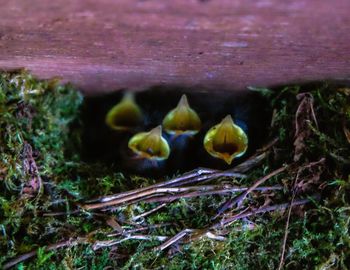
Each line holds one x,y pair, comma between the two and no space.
126,115
182,120
226,140
150,145
145,153
181,124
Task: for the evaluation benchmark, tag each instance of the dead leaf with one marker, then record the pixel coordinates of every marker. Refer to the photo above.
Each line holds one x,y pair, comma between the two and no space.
115,225
3,171
304,117
346,132
27,112
309,176
344,90
33,183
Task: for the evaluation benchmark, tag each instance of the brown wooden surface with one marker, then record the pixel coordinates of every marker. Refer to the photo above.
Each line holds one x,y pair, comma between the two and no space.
108,44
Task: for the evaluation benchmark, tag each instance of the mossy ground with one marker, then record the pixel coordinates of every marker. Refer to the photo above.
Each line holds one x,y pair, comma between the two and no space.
41,171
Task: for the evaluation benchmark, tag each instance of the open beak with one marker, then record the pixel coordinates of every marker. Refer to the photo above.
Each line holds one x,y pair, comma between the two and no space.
182,120
126,115
226,140
150,145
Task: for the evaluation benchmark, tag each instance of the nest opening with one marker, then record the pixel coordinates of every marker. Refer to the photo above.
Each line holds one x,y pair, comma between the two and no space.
248,109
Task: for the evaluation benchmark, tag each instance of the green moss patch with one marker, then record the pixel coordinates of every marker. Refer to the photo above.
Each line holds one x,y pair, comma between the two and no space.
44,184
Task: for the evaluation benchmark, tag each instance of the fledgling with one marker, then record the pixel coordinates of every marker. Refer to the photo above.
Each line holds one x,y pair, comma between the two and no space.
145,152
226,140
150,145
182,120
181,124
126,115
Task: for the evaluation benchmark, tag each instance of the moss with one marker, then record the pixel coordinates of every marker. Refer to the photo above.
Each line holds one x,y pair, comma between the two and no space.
44,117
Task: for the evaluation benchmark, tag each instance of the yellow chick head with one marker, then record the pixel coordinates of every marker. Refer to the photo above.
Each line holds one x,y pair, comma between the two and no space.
226,140
182,119
125,115
150,145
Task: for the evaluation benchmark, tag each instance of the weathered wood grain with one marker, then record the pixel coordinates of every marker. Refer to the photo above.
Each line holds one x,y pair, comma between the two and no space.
217,44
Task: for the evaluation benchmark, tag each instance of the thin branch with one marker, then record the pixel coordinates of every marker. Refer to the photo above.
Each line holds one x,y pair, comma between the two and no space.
285,237
177,180
145,214
286,233
255,159
148,195
147,228
26,256
228,221
237,200
54,214
176,238
250,163
80,240
268,145
149,192
108,243
226,191
294,192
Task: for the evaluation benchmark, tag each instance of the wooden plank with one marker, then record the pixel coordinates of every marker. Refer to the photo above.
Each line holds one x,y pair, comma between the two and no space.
215,44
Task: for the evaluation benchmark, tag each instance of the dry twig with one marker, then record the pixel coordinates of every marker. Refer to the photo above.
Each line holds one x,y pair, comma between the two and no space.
145,214
238,200
140,229
229,220
108,243
176,238
222,191
26,256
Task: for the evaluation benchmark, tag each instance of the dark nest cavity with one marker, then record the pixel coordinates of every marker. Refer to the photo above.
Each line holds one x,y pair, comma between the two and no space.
100,143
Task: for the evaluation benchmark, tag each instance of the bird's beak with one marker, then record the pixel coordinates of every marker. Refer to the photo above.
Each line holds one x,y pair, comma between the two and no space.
226,140
182,120
126,115
150,145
